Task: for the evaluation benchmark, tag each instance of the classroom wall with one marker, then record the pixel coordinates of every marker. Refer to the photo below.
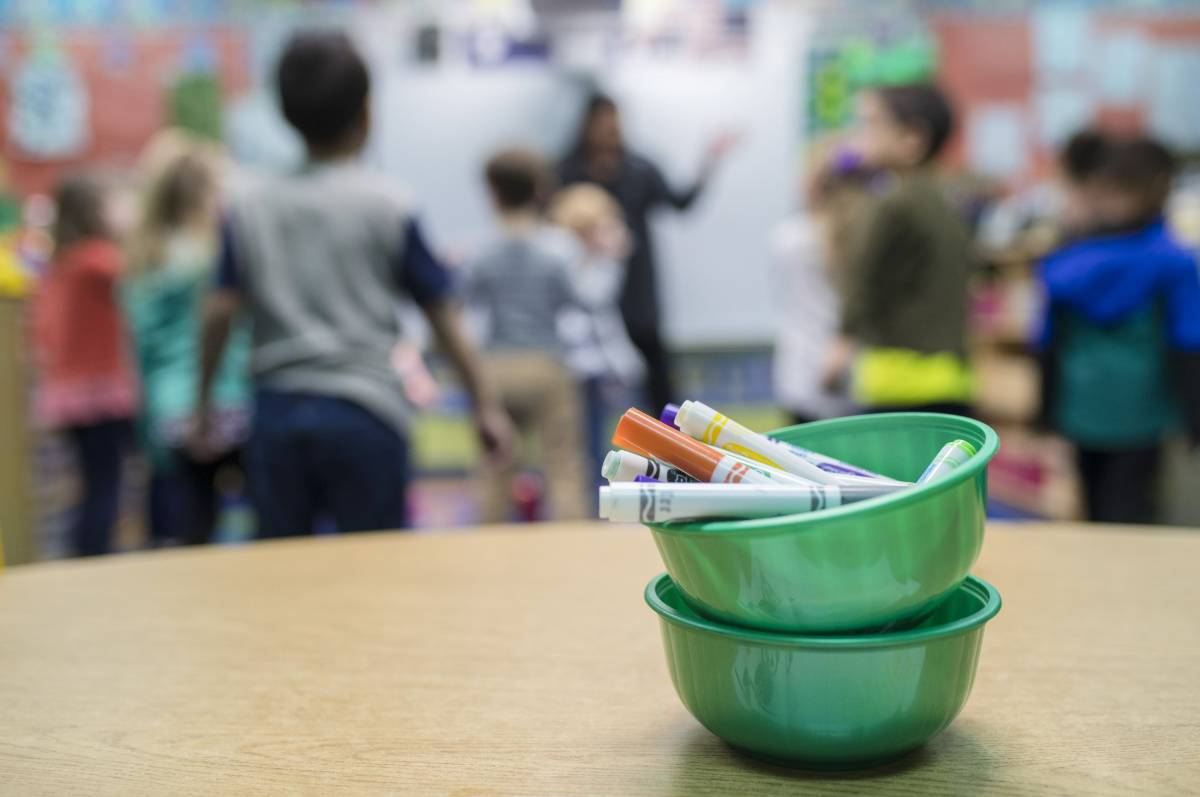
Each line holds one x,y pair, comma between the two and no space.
437,123
126,79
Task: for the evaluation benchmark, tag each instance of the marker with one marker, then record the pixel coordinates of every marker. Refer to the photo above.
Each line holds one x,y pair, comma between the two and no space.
709,426
953,454
645,479
835,466
653,439
626,466
775,473
667,416
625,502
883,484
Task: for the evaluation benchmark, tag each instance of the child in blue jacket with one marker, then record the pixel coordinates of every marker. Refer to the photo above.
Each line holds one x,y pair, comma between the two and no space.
1121,333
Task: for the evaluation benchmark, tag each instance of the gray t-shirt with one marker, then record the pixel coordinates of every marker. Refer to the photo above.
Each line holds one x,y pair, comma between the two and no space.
522,283
321,258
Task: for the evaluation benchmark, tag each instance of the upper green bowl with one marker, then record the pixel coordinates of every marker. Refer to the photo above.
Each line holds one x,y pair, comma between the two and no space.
859,567
825,702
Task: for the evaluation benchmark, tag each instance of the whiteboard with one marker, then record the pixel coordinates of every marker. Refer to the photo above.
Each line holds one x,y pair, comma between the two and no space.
433,128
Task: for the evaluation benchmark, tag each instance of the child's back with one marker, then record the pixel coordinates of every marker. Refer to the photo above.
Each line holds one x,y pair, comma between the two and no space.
521,282
1121,333
317,255
320,258
87,386
1119,304
87,374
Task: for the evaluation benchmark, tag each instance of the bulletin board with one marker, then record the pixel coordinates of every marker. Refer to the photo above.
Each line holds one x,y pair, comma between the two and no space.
138,74
1023,84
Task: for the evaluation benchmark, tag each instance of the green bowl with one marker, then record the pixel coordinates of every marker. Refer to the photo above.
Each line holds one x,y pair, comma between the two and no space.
825,702
867,566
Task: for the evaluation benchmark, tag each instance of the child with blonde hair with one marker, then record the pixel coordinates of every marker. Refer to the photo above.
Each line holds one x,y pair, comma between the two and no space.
599,350
173,259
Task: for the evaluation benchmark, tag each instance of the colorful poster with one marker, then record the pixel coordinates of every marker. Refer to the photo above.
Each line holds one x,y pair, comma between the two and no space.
837,71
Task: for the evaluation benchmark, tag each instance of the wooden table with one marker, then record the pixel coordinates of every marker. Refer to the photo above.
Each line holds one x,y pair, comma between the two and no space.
523,661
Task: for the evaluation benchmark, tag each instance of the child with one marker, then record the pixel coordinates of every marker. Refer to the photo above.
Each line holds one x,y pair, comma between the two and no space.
810,253
172,261
599,350
1121,333
87,384
904,322
319,259
521,283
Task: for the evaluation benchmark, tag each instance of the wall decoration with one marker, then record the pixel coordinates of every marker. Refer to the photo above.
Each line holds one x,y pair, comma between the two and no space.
840,66
48,114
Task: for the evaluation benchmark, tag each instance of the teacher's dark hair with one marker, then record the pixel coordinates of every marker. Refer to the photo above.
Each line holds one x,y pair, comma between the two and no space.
922,107
597,104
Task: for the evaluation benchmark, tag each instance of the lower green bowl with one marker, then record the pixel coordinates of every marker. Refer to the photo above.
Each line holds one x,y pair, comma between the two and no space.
825,702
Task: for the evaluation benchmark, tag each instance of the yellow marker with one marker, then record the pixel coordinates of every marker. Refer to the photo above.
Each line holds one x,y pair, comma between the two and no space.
709,426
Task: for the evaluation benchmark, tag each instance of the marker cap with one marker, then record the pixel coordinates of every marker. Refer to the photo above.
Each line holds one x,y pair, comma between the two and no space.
612,465
644,435
606,502
669,411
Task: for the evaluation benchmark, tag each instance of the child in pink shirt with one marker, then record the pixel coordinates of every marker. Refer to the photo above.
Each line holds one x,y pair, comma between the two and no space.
87,384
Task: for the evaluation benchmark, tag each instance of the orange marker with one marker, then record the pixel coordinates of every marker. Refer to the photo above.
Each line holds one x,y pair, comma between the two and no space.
652,438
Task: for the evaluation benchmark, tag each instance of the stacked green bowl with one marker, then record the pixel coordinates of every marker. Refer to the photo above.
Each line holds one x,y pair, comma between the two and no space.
845,637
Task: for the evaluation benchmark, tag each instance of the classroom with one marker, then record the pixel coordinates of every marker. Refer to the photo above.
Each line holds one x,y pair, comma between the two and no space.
640,397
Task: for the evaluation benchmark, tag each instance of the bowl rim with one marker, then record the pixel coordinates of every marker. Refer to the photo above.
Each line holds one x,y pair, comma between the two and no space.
797,523
842,640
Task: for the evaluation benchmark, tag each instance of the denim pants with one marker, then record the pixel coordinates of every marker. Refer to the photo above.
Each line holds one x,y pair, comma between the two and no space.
99,448
313,457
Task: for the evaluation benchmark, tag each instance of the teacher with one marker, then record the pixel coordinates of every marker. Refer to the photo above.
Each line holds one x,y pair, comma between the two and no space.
599,156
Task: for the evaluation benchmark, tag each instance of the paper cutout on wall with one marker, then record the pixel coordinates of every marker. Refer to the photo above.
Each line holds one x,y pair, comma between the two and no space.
194,104
1060,41
997,140
1122,67
48,114
118,53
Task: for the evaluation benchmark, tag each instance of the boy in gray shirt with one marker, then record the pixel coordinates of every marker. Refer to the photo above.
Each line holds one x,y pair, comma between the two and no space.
318,259
521,284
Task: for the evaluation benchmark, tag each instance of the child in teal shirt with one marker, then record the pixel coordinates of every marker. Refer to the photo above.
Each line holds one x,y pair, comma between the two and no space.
1121,333
173,262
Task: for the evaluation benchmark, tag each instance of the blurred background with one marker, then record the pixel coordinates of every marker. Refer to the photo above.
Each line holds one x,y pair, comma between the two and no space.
89,84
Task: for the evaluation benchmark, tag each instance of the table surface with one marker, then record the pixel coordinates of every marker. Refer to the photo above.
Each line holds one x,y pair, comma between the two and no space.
523,661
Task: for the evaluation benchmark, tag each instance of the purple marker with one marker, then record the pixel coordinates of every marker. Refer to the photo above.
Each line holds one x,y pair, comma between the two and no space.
641,478
668,414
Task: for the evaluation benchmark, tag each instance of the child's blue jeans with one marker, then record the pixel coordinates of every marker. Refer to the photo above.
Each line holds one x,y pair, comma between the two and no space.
316,456
100,447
